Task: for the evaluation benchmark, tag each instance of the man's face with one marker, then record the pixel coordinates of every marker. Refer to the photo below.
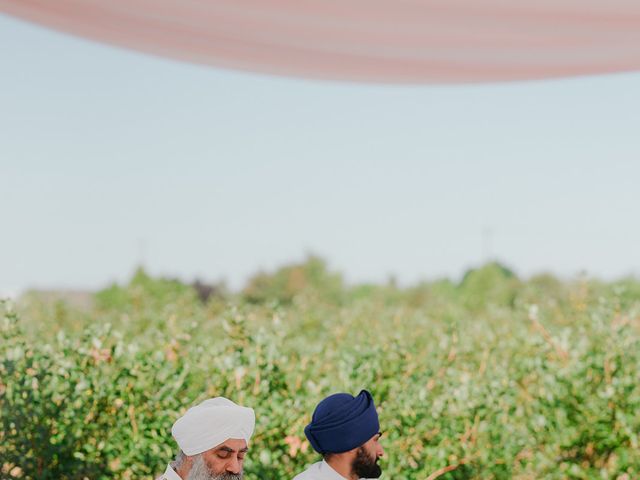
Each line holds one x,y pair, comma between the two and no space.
223,462
365,463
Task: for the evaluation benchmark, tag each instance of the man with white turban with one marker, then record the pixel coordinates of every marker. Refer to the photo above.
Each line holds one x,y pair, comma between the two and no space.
213,438
344,429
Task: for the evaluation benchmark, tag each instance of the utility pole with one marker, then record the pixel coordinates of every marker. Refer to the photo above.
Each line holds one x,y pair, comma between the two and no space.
487,244
142,252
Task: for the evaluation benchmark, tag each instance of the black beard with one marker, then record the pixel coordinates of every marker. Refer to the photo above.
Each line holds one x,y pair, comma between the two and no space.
364,466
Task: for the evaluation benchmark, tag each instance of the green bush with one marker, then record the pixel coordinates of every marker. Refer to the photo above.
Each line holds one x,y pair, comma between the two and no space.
512,386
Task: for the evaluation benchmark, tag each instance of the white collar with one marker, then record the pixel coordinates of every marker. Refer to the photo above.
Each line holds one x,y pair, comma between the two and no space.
170,474
328,472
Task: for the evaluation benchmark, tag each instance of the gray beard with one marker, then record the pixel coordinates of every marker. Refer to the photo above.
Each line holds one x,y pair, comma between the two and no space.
200,471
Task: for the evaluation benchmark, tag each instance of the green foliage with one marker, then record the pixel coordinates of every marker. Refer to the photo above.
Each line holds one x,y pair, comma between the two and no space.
144,291
310,277
491,283
495,378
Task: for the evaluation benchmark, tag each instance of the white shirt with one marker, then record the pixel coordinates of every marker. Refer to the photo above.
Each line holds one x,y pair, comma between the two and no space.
319,471
169,474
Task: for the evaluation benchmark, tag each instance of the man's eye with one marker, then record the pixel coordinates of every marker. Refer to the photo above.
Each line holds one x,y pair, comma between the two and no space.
223,454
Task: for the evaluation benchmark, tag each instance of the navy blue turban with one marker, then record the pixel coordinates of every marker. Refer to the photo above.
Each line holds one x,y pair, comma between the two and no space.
342,422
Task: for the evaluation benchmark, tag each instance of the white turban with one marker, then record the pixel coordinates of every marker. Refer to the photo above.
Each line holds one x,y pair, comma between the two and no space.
211,423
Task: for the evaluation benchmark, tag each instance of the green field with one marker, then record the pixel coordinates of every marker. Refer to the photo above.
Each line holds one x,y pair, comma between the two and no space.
494,377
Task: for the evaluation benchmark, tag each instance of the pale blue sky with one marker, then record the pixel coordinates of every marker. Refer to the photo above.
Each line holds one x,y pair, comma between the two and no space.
105,153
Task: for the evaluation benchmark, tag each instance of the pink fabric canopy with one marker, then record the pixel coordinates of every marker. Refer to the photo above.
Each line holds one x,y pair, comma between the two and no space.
399,41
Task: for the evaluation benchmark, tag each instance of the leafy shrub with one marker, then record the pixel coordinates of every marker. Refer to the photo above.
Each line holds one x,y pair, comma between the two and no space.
513,386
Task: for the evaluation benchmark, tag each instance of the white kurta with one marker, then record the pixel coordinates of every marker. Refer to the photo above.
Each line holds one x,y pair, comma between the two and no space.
169,474
319,471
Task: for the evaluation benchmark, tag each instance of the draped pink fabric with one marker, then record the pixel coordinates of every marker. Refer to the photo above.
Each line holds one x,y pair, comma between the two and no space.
403,41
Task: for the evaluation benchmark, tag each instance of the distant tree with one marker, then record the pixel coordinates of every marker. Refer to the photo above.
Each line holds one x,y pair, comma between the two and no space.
207,291
144,291
311,277
492,283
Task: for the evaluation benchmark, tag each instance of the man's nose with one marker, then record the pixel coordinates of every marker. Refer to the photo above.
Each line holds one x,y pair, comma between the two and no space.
234,466
380,451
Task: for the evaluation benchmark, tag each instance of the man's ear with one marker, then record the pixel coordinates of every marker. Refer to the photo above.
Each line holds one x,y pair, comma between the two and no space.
185,468
353,453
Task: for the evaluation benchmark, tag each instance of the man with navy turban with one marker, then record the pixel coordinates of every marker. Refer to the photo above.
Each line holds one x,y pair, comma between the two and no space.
344,429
